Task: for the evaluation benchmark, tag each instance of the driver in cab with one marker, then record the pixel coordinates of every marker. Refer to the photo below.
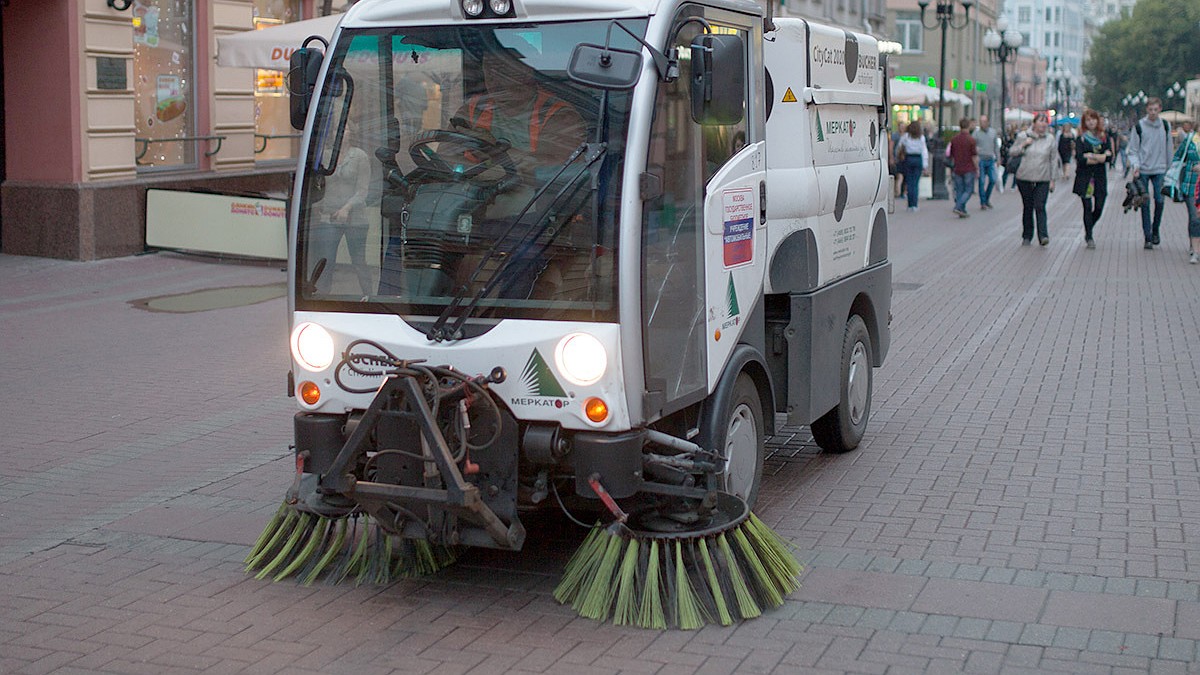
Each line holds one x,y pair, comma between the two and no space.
542,129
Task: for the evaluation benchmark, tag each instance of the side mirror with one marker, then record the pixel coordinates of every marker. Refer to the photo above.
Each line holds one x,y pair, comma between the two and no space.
718,79
305,67
604,67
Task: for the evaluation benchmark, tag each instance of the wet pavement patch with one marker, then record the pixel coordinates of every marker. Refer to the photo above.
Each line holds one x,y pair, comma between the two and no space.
207,299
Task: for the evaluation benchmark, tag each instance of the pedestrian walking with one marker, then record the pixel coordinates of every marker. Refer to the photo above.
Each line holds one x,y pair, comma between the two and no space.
912,155
963,153
1010,164
894,160
1189,152
1040,166
1066,147
986,145
1121,146
1149,154
1092,154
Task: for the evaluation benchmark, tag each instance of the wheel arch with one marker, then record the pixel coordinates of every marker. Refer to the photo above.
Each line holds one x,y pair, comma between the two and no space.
749,360
863,307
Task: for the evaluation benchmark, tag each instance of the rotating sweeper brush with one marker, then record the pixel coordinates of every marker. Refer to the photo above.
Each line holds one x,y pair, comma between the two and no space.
432,464
715,564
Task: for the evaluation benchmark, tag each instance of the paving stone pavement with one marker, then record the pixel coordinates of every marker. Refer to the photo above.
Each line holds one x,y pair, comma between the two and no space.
1025,500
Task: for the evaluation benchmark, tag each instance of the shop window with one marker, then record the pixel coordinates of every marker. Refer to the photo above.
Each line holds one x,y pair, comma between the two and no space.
275,139
164,83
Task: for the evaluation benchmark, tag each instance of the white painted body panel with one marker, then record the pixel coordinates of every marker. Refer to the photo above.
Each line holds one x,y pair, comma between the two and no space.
510,345
824,138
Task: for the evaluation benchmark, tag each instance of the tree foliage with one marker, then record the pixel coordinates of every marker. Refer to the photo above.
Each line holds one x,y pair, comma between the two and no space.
1149,50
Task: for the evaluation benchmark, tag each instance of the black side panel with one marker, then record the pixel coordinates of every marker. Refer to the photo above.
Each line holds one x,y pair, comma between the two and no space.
794,267
814,338
879,238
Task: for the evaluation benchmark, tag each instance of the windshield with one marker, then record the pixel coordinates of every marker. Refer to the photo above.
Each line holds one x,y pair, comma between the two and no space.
459,167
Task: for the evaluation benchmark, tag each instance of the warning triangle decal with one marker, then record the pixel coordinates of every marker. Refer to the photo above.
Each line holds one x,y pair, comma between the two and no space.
788,96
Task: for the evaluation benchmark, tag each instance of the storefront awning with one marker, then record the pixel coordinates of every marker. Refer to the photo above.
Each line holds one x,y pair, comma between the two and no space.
906,92
271,47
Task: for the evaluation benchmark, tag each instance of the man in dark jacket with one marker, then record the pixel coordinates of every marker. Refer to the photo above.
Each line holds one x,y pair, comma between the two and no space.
963,151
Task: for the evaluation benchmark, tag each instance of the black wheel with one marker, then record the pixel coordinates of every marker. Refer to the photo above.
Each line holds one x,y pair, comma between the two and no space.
841,429
740,435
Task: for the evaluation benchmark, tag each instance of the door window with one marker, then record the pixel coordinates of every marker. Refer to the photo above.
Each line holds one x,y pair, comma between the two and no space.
682,157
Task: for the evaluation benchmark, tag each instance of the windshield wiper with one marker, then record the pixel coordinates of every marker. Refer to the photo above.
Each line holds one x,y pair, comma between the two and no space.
591,153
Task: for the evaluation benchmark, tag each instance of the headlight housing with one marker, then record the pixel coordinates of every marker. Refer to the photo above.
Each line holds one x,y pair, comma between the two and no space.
500,7
581,358
312,346
472,8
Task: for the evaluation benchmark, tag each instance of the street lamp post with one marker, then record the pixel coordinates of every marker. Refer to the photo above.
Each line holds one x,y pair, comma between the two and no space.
1057,79
1003,44
1174,91
945,20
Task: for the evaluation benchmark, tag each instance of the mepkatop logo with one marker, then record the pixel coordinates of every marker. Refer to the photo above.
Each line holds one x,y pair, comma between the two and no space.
541,387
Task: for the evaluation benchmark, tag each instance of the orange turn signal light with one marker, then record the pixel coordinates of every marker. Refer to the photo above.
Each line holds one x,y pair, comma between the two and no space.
310,393
596,410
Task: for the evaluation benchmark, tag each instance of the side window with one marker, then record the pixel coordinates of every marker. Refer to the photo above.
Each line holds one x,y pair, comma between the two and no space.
722,142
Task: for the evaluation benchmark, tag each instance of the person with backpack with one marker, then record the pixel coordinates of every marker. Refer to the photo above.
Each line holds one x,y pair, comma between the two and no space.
1149,153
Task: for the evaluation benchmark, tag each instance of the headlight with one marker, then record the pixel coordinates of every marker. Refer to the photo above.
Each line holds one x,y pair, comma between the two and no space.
581,358
472,8
312,346
500,7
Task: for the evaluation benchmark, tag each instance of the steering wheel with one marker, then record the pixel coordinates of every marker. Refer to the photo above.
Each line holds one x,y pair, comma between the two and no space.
470,155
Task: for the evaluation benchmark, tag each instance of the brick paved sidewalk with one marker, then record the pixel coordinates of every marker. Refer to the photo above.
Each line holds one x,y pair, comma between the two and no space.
1025,499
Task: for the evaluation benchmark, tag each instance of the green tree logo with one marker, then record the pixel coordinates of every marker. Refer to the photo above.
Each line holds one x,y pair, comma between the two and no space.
820,127
731,298
539,379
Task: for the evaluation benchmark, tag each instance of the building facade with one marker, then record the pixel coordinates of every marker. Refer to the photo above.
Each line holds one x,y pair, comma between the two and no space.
969,68
866,16
104,99
1060,30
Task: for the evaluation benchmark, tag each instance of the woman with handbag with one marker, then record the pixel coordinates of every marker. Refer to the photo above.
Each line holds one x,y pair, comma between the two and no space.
912,156
1092,153
1040,165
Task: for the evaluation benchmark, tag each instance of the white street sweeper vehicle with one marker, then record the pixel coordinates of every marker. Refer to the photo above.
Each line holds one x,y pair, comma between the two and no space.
577,254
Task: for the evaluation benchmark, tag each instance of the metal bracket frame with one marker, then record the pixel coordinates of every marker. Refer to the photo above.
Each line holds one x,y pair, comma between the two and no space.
144,143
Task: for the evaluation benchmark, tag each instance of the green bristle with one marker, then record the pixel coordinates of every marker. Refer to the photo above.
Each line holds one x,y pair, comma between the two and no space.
579,566
383,568
316,535
651,614
298,531
319,551
779,561
626,611
341,568
282,530
353,563
268,532
759,576
363,566
331,552
747,606
689,615
598,599
715,586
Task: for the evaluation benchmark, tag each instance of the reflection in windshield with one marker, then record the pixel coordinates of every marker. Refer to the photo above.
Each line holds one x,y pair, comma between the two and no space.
468,135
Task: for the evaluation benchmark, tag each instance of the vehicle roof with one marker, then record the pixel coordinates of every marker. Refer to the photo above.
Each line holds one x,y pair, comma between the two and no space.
369,13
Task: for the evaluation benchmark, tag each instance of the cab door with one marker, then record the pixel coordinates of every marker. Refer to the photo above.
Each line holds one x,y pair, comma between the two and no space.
701,269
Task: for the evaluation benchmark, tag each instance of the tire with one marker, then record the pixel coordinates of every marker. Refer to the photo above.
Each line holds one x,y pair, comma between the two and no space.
841,429
740,437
